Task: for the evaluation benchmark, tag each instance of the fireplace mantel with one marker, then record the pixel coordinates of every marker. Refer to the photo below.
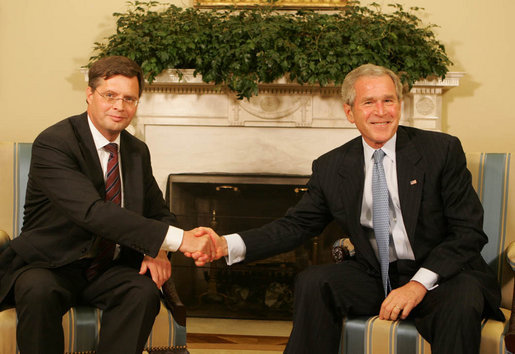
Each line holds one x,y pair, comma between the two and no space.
195,127
279,104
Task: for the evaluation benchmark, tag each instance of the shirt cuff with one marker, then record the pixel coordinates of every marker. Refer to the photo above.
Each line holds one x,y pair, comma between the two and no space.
236,249
173,239
427,278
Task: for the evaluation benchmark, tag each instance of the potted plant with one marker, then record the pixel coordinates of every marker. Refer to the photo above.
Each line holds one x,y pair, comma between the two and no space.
241,48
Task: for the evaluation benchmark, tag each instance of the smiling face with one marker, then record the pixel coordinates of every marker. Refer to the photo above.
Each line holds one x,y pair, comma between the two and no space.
111,118
376,110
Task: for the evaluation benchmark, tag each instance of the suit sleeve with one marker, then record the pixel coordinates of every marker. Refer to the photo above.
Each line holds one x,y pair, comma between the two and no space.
307,219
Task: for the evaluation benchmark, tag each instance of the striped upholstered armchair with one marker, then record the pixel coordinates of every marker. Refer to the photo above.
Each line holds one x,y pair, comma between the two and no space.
491,176
81,324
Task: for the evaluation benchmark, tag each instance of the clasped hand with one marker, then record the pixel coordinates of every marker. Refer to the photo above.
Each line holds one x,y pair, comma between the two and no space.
203,245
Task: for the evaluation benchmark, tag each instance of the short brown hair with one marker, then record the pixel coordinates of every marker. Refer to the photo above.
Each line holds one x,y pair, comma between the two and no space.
107,67
348,89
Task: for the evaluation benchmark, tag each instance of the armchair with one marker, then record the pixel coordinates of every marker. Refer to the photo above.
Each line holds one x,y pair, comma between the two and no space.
81,324
491,176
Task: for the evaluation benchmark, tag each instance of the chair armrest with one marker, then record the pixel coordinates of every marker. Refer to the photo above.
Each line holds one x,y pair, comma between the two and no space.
510,255
173,302
509,338
4,240
342,249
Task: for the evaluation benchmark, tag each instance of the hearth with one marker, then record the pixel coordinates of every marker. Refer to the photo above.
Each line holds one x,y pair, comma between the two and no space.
231,203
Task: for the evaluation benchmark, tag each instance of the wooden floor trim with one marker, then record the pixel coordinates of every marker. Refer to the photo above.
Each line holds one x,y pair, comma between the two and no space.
235,342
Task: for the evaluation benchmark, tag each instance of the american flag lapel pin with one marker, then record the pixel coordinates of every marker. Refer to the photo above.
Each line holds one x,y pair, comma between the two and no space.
413,182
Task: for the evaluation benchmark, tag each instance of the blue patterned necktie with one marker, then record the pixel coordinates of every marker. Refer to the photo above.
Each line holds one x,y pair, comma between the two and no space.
381,216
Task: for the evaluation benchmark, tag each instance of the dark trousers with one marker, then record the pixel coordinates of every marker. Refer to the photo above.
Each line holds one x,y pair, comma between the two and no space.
129,302
449,317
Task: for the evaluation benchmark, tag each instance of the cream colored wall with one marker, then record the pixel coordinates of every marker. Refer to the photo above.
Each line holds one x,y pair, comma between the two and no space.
44,43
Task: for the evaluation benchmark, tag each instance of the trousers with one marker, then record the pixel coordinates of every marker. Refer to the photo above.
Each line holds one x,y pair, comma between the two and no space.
130,303
449,317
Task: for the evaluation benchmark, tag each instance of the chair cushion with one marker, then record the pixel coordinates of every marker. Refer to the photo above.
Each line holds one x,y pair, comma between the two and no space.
374,336
82,325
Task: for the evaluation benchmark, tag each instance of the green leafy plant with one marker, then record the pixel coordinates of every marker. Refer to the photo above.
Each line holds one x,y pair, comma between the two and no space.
240,48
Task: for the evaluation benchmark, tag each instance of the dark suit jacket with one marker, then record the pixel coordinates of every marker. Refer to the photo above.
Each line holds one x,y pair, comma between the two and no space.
442,213
65,208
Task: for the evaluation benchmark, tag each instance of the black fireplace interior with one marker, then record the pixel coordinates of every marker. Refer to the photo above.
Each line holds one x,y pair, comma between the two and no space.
232,203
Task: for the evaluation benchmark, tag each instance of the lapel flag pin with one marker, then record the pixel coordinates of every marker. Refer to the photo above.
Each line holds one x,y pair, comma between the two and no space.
413,182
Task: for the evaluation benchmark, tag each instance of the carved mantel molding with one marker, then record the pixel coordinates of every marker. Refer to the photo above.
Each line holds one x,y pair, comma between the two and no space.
279,104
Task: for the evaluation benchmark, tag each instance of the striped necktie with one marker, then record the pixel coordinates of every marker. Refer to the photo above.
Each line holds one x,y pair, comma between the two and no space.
113,193
381,217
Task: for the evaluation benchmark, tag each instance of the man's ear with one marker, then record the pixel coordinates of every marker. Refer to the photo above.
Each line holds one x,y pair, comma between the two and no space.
89,94
348,112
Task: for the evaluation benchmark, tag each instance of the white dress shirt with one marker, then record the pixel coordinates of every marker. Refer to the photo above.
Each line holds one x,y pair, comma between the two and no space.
174,235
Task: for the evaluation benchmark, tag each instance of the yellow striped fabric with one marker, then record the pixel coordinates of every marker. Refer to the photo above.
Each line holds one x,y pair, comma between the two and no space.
401,337
163,332
492,335
8,331
7,161
491,177
510,255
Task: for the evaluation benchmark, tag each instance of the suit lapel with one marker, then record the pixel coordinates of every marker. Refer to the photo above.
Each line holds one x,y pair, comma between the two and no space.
410,179
89,153
352,172
132,174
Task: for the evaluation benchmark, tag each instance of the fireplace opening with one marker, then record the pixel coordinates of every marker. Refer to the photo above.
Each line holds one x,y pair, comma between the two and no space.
231,203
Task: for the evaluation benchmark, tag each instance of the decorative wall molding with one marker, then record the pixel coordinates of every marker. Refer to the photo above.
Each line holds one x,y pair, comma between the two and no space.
278,104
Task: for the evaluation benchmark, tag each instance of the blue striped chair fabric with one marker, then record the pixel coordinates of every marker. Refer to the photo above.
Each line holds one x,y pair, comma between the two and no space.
491,173
81,324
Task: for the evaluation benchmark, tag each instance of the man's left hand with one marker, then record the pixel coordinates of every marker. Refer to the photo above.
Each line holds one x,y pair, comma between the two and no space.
400,301
160,268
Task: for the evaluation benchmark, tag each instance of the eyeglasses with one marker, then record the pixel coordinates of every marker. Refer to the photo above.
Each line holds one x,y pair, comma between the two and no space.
111,98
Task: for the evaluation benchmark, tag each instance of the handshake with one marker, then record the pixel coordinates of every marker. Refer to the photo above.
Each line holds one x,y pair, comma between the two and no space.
203,245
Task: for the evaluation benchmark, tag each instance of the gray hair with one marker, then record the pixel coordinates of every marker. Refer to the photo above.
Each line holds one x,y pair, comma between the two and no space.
348,89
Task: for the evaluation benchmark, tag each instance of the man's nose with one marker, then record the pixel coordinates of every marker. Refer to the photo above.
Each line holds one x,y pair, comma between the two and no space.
118,104
379,108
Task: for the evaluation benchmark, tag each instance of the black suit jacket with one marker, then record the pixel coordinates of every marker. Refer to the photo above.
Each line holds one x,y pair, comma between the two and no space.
65,208
442,213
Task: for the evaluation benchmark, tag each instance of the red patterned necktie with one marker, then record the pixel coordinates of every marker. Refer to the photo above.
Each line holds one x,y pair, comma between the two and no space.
113,193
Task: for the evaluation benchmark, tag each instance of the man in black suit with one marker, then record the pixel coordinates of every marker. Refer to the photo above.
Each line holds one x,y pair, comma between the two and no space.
95,224
434,270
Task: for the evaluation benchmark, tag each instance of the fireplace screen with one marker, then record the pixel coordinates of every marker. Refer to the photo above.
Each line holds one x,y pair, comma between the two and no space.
233,203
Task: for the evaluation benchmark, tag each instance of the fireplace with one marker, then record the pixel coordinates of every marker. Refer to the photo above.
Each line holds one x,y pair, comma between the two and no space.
231,203
206,138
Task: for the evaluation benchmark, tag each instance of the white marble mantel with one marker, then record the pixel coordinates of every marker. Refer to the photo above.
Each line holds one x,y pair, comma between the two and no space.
194,127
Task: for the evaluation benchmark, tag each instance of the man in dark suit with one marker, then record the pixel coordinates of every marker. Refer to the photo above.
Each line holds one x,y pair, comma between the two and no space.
433,270
95,224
